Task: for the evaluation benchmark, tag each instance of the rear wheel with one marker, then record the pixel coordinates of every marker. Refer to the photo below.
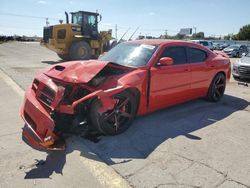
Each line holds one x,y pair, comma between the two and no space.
80,51
217,88
117,120
64,56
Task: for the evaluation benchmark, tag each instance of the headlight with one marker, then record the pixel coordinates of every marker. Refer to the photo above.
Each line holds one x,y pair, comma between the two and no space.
236,64
74,28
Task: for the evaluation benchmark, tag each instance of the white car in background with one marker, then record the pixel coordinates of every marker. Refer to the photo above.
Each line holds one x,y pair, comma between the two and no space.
241,69
205,43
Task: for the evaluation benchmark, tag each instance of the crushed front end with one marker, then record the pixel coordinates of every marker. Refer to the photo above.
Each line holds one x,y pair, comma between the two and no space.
40,101
59,99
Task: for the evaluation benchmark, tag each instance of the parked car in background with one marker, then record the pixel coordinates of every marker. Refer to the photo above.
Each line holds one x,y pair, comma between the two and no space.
241,69
219,46
105,95
205,43
236,50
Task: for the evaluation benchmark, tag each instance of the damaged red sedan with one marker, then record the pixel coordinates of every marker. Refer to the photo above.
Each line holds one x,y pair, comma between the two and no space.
105,95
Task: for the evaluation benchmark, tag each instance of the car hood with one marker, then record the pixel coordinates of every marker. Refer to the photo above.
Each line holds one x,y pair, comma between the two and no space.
76,71
245,60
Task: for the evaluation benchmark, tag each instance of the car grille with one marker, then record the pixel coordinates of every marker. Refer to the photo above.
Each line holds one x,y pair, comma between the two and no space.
47,95
244,70
47,33
43,92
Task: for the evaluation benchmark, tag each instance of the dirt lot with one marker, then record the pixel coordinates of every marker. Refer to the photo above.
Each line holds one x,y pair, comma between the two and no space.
196,144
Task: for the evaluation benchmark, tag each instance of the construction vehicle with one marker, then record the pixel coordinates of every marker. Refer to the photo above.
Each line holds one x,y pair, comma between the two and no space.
78,40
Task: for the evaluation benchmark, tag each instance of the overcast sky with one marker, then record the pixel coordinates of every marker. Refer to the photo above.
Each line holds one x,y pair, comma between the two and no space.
214,17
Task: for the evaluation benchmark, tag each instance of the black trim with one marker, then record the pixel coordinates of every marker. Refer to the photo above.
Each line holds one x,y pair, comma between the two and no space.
148,88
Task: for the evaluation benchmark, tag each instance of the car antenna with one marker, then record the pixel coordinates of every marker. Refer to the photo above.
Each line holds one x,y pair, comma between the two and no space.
133,33
123,35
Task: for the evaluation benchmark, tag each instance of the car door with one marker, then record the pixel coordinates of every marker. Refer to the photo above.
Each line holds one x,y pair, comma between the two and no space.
170,84
200,73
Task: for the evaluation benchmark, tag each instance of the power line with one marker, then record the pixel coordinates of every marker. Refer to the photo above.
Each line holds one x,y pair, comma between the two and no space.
110,25
27,16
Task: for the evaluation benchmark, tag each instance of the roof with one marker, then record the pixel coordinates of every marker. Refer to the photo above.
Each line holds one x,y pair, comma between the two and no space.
159,41
86,12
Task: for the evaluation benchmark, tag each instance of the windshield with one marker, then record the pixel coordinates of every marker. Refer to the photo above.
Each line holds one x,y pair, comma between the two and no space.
130,54
85,19
233,47
77,18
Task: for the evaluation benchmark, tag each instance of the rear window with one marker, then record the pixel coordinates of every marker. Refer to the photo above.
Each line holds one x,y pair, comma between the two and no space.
196,55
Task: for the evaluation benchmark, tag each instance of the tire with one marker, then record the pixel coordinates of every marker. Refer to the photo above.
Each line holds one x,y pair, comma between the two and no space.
80,51
236,78
123,114
217,88
64,56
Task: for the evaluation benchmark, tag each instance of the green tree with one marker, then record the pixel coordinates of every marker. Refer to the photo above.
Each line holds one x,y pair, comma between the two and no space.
244,33
199,35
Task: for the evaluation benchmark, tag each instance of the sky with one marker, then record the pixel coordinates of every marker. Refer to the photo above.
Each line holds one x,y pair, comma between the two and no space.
153,17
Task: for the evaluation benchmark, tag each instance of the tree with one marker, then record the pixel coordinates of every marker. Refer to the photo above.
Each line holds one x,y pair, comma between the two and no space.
227,37
244,33
199,35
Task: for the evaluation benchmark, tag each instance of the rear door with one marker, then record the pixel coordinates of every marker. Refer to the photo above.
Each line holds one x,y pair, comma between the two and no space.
170,84
200,73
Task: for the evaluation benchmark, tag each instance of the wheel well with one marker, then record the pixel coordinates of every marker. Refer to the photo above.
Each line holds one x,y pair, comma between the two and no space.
221,72
136,93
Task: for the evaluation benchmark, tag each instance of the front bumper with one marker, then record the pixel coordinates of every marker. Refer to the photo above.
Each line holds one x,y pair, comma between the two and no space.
241,71
52,44
38,131
231,53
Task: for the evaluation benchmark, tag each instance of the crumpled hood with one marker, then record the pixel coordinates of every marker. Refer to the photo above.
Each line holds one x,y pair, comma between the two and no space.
76,71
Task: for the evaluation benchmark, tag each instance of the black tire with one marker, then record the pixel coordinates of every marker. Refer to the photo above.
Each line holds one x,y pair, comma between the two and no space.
80,51
237,78
217,88
117,120
64,56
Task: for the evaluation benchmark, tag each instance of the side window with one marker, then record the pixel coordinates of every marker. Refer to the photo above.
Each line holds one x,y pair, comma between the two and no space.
178,54
196,55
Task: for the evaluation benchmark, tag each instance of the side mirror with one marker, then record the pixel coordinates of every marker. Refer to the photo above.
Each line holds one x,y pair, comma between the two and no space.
243,54
165,61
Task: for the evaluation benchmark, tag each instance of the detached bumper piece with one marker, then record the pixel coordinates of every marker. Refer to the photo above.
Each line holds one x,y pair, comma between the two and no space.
38,131
33,140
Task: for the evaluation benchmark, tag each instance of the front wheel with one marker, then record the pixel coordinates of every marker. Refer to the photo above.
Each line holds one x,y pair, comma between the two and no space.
117,120
217,88
80,51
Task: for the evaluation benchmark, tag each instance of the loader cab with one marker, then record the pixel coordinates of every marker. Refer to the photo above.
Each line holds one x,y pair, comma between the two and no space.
88,22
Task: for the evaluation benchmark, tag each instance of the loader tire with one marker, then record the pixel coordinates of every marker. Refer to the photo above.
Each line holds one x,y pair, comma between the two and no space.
80,51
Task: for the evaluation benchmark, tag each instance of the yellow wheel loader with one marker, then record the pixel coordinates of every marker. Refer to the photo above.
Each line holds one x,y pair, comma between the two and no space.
78,40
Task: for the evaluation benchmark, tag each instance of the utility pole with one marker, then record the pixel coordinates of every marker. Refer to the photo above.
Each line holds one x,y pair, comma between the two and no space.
194,30
47,22
116,31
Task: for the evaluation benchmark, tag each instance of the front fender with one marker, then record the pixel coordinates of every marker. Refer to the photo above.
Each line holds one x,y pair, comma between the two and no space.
105,96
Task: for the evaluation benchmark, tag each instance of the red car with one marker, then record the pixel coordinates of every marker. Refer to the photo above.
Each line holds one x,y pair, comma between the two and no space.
105,95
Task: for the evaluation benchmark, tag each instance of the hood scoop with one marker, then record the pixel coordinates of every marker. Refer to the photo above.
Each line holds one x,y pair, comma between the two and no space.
59,68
